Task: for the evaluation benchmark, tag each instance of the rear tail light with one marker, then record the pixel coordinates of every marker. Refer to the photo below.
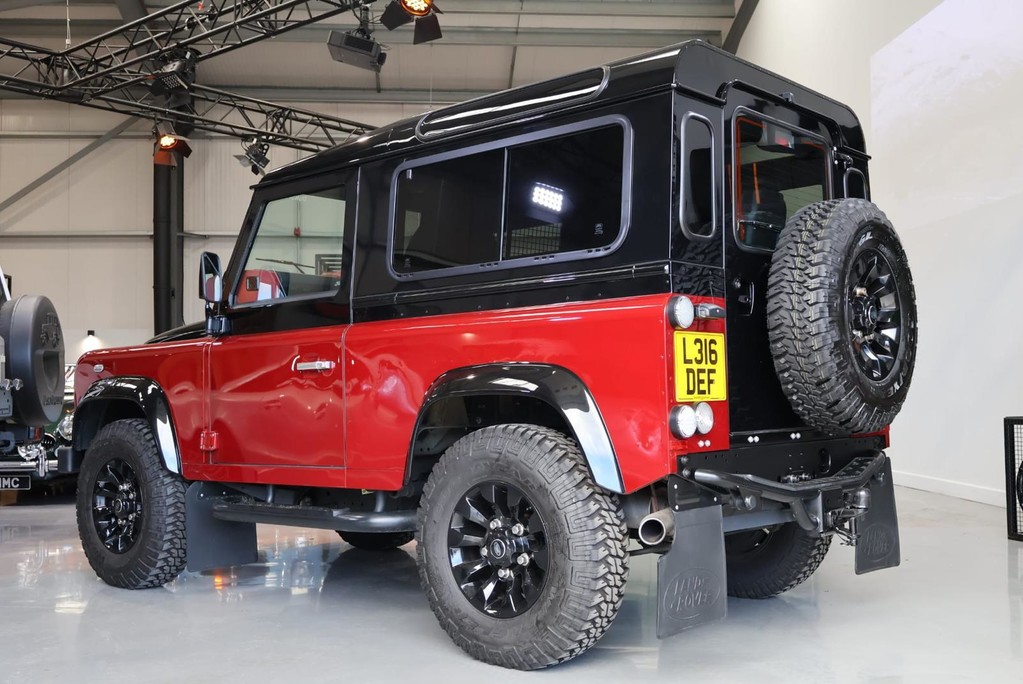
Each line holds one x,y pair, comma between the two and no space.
681,312
704,418
683,421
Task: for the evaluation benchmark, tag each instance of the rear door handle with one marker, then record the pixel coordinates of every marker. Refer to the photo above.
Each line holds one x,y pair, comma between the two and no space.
318,365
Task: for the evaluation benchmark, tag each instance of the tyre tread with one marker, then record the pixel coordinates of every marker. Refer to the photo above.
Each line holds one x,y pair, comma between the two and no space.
598,552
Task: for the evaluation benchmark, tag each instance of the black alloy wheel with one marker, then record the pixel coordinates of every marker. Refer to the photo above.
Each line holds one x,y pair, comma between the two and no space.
497,544
117,507
130,509
522,557
875,314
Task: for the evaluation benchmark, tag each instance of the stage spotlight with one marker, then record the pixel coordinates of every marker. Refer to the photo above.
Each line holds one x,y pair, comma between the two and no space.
422,12
255,157
356,48
167,143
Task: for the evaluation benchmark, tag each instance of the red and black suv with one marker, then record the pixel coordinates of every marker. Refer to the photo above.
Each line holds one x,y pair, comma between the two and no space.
645,308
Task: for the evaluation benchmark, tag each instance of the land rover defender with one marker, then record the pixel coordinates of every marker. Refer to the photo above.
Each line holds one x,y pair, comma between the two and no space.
644,308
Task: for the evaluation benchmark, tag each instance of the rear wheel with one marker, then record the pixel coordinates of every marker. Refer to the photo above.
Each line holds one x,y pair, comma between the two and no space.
767,562
377,541
523,558
130,509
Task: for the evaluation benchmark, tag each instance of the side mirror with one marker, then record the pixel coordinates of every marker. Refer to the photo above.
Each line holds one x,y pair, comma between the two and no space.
211,283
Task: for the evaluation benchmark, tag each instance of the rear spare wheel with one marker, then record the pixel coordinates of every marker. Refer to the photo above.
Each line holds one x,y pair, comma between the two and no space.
34,343
841,316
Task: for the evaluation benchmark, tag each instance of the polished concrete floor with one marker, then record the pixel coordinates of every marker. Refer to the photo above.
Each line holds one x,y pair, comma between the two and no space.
318,609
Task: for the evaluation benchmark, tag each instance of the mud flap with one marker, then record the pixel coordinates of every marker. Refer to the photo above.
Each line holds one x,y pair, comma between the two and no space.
691,576
213,543
877,531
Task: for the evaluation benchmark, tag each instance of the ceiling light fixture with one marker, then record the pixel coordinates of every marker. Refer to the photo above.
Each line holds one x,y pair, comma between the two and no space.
422,12
256,156
167,143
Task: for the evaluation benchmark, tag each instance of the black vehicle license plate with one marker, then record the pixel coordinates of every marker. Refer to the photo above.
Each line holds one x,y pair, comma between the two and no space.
15,482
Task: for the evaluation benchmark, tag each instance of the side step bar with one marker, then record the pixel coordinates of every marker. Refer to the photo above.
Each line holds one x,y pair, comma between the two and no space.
220,525
241,509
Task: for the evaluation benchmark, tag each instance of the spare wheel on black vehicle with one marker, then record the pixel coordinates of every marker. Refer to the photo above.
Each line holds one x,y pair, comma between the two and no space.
841,316
35,355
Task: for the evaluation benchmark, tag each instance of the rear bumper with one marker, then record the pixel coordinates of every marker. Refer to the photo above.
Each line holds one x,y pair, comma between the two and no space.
857,503
41,464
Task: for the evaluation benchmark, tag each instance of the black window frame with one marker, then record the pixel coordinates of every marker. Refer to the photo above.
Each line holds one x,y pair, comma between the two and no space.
739,112
348,179
506,143
684,172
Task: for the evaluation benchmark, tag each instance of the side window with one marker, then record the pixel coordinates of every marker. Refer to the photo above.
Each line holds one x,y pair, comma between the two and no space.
778,172
449,213
697,209
298,249
557,195
564,194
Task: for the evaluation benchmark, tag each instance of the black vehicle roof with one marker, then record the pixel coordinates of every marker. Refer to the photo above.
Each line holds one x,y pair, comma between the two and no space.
693,66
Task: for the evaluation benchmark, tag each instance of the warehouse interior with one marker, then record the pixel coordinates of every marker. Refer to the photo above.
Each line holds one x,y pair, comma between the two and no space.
925,78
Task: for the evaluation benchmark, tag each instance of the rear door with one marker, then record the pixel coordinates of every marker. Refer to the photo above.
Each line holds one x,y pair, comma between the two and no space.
276,380
779,161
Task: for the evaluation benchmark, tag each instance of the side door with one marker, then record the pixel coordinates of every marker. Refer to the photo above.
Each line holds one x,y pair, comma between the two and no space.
275,383
780,160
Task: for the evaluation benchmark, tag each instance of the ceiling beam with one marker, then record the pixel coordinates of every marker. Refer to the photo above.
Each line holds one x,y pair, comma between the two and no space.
331,95
454,35
665,8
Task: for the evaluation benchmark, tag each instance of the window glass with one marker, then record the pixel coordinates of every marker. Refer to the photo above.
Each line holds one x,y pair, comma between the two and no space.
449,213
298,248
564,194
780,171
697,177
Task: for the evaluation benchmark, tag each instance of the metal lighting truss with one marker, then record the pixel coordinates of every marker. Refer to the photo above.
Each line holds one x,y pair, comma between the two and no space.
114,71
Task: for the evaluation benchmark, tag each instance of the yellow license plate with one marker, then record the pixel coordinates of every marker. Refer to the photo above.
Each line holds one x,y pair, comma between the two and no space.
700,367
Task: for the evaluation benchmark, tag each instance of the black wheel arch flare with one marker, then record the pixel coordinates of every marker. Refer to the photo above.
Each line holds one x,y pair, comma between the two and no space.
111,399
558,387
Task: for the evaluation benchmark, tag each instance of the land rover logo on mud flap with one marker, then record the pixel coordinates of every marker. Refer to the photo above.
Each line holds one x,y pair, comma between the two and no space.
49,333
690,593
877,541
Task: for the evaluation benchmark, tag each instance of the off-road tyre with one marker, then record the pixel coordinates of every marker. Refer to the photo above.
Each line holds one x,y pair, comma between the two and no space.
765,563
585,541
34,343
157,553
377,541
844,355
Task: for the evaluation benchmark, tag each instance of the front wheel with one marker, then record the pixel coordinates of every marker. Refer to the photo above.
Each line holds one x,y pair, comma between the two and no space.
130,509
522,557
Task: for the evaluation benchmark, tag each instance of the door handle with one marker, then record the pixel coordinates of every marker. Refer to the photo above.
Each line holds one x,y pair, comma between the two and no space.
317,365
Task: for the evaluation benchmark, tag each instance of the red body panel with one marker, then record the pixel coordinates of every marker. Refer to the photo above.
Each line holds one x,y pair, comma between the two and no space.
351,426
265,410
617,348
178,367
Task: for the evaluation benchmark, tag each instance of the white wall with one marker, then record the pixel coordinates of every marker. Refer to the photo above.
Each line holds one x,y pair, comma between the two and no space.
938,87
105,283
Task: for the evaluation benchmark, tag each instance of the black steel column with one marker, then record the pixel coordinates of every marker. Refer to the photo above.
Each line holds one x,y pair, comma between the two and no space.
163,239
178,251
